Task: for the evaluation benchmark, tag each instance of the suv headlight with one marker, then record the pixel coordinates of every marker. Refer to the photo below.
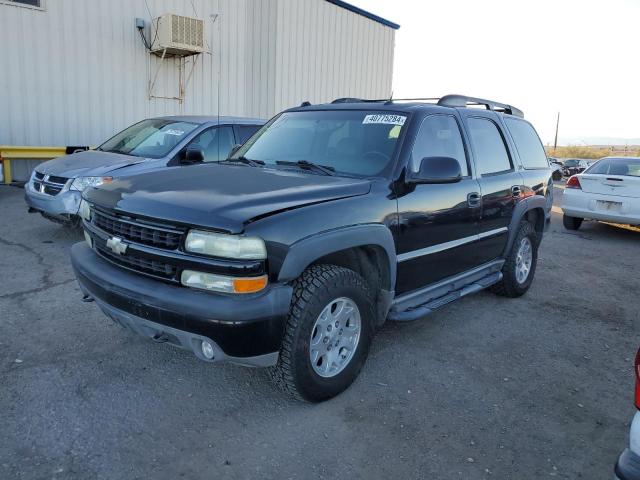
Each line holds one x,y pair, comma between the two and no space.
80,183
85,210
226,246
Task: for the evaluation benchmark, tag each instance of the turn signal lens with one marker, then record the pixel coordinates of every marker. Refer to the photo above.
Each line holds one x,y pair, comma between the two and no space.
249,285
573,182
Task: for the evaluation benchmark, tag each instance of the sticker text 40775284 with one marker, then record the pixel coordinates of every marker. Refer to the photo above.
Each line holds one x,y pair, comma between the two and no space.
384,119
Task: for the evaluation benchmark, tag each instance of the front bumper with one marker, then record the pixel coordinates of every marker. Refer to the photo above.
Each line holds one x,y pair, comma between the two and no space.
61,206
244,329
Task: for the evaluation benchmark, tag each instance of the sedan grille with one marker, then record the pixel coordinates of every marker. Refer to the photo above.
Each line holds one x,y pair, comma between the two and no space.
49,184
167,238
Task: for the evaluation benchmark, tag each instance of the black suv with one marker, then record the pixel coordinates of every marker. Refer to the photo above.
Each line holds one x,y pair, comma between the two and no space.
329,221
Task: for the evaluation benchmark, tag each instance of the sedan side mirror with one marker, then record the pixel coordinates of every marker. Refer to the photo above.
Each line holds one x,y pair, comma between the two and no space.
194,155
438,170
234,149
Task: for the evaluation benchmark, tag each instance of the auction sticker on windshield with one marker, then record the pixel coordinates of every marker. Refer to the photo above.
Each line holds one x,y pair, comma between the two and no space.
385,119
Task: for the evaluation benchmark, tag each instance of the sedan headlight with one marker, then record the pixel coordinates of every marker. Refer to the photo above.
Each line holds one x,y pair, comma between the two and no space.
85,210
226,246
80,183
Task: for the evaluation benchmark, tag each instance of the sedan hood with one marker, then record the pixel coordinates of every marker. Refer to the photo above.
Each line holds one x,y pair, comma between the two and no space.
221,197
87,163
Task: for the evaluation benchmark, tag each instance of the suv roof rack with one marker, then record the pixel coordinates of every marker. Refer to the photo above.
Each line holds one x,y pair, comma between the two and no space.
463,101
446,101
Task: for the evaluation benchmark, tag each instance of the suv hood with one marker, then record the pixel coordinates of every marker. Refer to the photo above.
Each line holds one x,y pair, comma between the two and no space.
88,163
221,197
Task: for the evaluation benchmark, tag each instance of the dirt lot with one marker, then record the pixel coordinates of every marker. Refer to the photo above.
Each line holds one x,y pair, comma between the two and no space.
486,388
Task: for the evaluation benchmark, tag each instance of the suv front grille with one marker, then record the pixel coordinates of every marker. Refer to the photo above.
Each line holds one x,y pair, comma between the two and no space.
140,264
48,184
135,231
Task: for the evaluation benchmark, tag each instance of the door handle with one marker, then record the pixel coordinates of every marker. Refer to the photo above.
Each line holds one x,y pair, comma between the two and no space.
474,199
516,190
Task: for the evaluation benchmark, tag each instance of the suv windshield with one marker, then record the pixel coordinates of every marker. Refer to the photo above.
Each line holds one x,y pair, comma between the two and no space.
152,138
348,141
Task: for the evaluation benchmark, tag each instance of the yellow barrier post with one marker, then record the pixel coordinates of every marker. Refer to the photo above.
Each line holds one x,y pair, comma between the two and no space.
11,152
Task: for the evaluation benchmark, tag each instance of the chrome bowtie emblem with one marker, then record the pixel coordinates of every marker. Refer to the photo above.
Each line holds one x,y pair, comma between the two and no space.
117,245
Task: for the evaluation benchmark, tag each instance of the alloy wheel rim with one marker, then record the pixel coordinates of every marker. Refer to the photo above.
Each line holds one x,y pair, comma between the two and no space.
524,260
334,337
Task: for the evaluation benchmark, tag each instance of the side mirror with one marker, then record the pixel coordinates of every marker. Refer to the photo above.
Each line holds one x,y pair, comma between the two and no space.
437,170
194,155
234,149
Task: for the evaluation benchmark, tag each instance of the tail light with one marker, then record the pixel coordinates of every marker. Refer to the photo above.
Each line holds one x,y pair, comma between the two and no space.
573,182
636,369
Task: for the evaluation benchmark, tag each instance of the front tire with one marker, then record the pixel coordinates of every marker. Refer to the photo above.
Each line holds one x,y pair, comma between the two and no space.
571,223
520,265
327,335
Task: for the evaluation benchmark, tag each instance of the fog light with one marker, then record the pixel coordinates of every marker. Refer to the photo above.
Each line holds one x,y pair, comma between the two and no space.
207,349
88,238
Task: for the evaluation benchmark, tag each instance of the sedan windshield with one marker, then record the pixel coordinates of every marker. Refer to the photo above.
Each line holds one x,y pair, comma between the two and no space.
342,141
152,138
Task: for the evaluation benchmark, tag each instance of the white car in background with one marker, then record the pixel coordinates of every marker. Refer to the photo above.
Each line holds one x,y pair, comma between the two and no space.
608,190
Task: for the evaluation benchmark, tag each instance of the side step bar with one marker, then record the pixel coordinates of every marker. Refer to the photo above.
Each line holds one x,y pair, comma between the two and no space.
418,304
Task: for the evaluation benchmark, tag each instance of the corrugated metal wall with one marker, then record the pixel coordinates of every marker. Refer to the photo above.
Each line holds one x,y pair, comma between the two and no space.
77,72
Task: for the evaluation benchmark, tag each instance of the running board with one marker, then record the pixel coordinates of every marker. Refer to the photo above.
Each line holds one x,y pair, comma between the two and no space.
456,290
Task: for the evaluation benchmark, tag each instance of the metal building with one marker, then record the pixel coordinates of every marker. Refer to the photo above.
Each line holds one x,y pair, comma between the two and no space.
76,71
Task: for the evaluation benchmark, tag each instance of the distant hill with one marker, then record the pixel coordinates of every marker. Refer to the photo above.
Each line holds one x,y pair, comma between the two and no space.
598,141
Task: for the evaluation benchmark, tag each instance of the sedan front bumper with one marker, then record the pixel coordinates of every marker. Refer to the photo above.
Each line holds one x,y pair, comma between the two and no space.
61,206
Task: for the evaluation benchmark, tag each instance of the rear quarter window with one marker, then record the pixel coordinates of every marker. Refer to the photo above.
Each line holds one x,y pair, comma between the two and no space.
528,144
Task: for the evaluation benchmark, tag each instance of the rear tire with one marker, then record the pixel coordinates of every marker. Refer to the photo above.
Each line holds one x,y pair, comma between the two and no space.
313,332
556,175
571,223
520,266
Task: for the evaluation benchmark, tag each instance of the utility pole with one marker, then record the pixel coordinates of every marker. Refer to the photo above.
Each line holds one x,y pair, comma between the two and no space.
555,142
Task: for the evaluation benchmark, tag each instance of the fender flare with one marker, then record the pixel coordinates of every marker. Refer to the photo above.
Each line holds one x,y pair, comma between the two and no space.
522,207
305,251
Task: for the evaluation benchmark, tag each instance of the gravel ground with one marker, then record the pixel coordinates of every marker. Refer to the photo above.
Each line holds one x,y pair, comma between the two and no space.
485,388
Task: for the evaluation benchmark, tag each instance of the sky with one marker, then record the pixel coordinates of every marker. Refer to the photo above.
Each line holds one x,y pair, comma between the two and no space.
579,58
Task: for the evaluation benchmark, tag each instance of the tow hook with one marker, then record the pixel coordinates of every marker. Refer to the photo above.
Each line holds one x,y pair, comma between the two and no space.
87,298
160,337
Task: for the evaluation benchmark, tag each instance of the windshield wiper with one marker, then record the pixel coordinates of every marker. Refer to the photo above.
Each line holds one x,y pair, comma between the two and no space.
246,161
327,170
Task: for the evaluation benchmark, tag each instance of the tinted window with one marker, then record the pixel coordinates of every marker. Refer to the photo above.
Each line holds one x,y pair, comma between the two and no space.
439,136
616,166
216,143
528,144
491,153
245,132
351,141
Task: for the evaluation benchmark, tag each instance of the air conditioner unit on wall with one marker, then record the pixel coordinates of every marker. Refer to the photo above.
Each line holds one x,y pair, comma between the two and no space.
177,35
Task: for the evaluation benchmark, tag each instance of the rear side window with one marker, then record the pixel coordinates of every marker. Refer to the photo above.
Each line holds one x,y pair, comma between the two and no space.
245,132
491,152
439,136
528,144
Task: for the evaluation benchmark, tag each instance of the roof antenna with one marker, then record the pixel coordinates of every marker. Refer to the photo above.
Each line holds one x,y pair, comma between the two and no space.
390,101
